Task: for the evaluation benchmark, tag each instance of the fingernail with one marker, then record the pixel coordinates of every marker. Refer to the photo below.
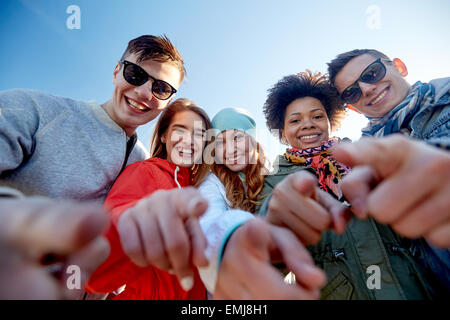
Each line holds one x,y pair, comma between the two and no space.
320,277
170,271
309,269
187,283
197,206
193,204
359,208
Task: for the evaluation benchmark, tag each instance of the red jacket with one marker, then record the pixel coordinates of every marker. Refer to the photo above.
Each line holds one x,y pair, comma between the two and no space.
137,181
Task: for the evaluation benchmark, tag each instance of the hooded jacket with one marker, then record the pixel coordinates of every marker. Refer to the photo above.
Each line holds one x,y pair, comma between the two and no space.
138,181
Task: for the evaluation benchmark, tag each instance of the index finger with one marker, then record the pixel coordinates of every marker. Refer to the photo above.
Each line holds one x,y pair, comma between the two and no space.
386,155
188,202
356,187
40,226
339,213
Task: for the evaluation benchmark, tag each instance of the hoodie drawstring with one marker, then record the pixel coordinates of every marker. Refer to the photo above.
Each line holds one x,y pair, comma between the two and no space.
176,180
339,255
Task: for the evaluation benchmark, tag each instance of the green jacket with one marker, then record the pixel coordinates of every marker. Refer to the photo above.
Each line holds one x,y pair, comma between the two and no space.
347,259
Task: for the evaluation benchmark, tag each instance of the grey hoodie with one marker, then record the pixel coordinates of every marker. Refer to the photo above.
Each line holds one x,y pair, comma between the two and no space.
59,147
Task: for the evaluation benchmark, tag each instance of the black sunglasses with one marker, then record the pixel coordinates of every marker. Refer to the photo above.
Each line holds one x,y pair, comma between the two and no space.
372,74
137,76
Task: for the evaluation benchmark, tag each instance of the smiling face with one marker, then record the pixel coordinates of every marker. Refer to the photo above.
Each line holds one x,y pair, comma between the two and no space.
306,123
233,148
133,106
379,98
184,138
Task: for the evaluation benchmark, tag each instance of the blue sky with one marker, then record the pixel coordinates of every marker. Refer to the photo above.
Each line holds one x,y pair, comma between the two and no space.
234,50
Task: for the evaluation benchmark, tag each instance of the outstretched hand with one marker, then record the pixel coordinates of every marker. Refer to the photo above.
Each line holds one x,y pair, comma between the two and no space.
401,182
246,271
298,204
163,230
37,235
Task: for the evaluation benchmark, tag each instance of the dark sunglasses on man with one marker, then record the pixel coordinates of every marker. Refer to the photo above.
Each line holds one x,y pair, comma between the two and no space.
137,76
372,74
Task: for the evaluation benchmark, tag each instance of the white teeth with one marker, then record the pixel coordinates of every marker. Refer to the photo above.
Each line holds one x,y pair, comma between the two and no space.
377,99
136,105
309,137
189,152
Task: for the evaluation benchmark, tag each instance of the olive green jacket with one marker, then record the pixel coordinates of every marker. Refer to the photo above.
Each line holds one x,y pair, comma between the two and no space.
353,261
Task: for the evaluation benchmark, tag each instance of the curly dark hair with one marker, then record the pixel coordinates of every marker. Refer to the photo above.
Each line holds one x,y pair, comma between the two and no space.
301,85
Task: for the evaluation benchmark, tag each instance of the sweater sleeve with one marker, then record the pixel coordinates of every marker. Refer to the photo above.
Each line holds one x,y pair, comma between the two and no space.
19,122
136,182
217,223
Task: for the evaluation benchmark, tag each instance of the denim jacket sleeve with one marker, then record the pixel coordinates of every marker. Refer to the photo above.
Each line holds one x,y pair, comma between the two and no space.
432,124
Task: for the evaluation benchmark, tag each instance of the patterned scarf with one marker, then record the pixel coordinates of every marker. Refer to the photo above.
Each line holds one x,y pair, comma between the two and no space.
329,170
420,97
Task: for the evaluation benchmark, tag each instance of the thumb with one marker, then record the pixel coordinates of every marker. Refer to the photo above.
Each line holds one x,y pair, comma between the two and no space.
197,207
189,203
255,236
305,183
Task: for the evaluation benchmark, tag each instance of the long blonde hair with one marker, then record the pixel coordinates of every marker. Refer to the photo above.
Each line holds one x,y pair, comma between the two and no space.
158,148
239,196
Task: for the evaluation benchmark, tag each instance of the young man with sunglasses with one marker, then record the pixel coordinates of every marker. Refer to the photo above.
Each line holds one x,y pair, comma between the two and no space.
399,181
66,149
368,81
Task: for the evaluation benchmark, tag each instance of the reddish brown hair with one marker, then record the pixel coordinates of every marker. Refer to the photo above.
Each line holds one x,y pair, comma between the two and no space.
158,148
